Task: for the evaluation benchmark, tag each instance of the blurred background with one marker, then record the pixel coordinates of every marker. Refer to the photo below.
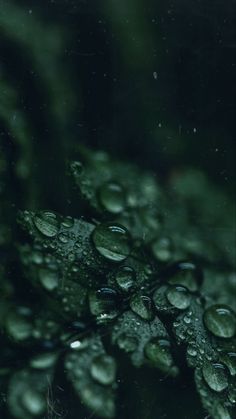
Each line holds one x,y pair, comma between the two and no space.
149,81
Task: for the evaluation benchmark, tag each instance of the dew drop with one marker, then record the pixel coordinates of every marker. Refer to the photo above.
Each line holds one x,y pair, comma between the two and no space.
112,197
103,369
125,278
186,274
112,241
220,320
47,223
142,305
158,352
229,359
178,296
215,376
104,302
162,249
48,279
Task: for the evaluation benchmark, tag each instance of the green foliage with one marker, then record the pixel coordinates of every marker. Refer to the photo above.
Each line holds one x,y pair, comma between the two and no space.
138,276
130,281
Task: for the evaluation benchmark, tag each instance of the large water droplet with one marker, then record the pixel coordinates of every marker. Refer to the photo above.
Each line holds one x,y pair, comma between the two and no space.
125,278
103,369
220,320
112,241
178,296
215,376
112,197
142,305
47,223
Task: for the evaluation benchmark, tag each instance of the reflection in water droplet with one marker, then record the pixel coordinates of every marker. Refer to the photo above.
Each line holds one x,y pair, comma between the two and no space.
112,241
215,376
220,320
103,369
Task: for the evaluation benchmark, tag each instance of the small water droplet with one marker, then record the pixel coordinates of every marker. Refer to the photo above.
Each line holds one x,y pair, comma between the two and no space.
103,303
48,279
192,350
125,278
112,241
142,305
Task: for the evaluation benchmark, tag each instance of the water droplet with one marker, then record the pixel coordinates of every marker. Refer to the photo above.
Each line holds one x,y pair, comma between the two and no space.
103,369
112,197
68,222
33,402
142,305
48,279
220,320
178,296
47,223
215,376
192,350
125,278
63,238
103,303
162,249
229,359
127,343
158,352
186,274
112,241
